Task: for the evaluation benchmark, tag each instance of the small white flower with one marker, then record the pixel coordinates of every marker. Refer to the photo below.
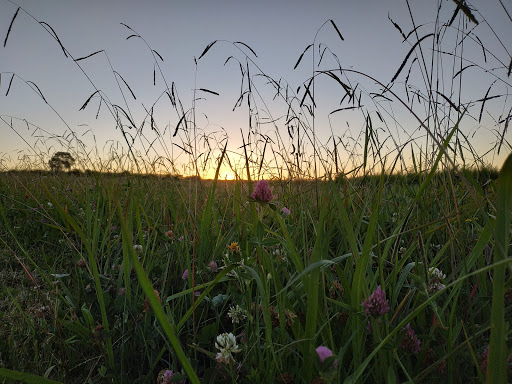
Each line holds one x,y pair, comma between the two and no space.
435,247
237,314
436,280
138,248
50,205
226,343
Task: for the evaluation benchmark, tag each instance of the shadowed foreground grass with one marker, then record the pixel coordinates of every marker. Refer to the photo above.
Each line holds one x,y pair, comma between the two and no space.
115,279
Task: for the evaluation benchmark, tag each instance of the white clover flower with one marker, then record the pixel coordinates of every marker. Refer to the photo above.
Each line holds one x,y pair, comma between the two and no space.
436,280
138,248
435,247
436,272
226,343
237,314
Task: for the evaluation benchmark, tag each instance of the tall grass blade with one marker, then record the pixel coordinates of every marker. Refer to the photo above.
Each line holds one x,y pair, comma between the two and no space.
10,26
497,366
337,30
55,37
10,83
40,93
246,46
312,311
408,55
125,83
206,49
148,290
208,91
25,377
301,56
92,54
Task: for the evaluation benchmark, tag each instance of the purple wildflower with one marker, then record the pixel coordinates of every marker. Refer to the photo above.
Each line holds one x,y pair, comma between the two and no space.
376,304
212,266
285,211
410,342
324,353
165,377
185,274
262,192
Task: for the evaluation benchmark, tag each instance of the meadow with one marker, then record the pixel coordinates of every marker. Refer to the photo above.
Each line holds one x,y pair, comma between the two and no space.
318,263
96,289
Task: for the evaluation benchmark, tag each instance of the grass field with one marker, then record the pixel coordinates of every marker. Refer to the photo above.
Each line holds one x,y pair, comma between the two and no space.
94,284
379,256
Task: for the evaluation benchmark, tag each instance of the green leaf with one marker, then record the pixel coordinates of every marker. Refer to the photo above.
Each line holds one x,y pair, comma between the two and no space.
219,299
269,242
88,317
25,377
102,371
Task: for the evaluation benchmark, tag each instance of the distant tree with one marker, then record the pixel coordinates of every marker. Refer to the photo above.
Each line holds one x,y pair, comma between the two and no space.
61,160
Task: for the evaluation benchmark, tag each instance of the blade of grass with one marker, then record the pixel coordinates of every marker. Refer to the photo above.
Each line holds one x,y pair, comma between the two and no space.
497,368
145,283
25,377
319,250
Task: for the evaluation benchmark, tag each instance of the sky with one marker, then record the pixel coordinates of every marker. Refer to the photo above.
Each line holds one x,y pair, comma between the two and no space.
178,32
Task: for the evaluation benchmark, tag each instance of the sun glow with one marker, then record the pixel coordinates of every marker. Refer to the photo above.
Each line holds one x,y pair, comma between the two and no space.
228,176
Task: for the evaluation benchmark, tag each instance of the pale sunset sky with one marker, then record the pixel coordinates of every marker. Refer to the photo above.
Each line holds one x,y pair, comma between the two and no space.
164,56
